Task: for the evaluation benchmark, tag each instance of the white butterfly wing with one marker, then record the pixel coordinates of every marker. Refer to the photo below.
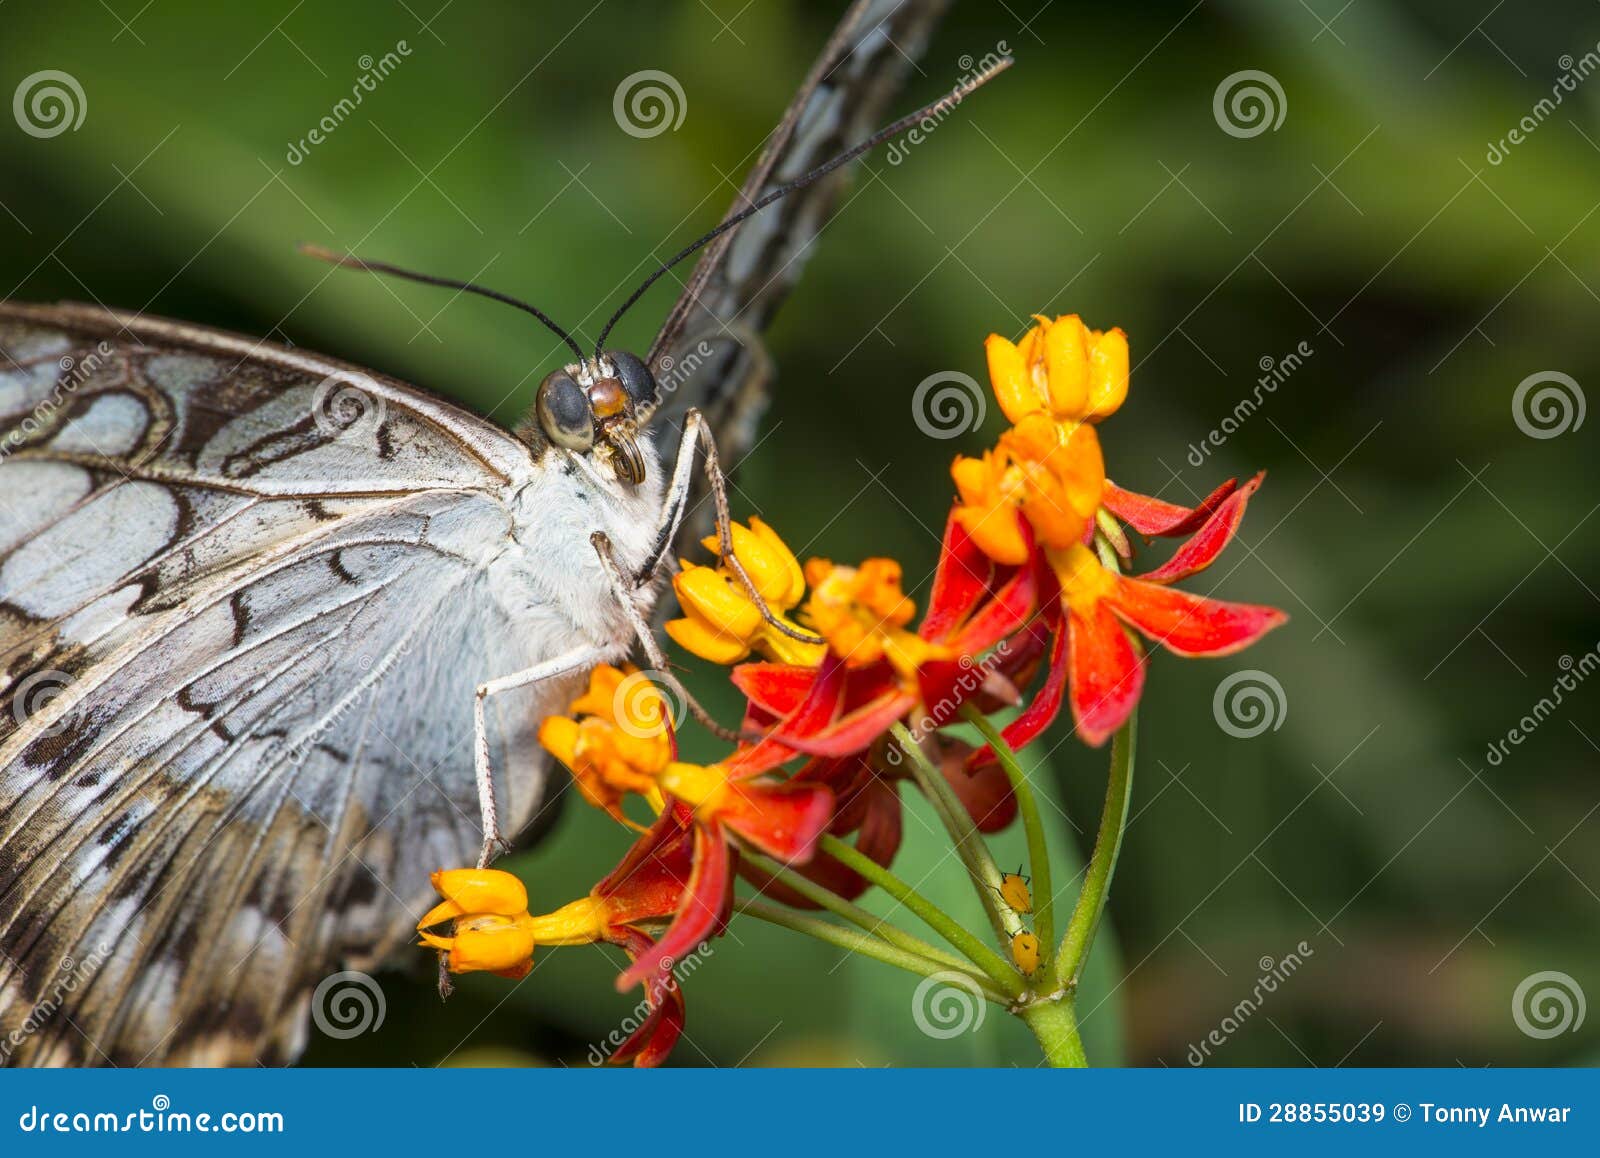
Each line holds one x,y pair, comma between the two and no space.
241,618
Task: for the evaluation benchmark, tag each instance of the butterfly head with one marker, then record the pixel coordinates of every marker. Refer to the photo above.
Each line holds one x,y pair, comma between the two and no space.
598,406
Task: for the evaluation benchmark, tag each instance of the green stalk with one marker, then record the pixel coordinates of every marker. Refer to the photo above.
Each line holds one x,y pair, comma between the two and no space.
862,918
1075,946
854,942
969,843
1044,920
936,918
1056,1026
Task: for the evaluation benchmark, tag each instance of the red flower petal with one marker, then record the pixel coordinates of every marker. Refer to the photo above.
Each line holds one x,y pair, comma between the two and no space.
783,820
1042,711
650,880
962,578
985,793
1202,550
1107,673
1191,624
879,820
649,1045
1153,516
1008,610
701,914
778,688
853,732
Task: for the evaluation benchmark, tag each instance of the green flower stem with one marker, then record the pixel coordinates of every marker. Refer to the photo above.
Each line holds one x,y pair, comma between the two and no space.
863,918
1044,919
1055,1024
936,918
969,843
1075,946
855,942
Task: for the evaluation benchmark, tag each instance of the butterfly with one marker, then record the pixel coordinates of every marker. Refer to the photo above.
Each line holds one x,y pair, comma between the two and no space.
277,631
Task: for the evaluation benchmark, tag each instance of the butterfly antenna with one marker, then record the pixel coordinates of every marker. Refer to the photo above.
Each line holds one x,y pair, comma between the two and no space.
937,109
351,261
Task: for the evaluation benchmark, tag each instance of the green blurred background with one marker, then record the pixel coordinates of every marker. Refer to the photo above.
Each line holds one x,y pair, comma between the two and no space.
1438,561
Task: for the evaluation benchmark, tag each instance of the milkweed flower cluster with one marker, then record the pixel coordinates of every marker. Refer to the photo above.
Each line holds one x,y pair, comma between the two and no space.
1029,609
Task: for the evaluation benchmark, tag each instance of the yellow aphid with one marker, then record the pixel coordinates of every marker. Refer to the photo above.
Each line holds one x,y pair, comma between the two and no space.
1014,892
1025,952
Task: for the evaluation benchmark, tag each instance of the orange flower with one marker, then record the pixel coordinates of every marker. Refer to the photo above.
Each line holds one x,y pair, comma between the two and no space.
721,622
1051,472
862,613
1063,368
621,743
492,928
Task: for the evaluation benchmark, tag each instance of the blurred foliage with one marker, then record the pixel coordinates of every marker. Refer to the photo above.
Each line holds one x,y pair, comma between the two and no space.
1438,563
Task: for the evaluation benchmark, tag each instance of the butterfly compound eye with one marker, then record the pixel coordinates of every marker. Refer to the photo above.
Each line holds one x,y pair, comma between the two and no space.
564,412
637,381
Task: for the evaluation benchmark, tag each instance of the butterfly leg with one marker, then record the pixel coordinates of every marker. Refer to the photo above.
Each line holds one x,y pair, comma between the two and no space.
623,592
697,434
578,659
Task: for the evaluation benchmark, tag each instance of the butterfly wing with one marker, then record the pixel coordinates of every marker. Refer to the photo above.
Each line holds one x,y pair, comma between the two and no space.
709,349
245,596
